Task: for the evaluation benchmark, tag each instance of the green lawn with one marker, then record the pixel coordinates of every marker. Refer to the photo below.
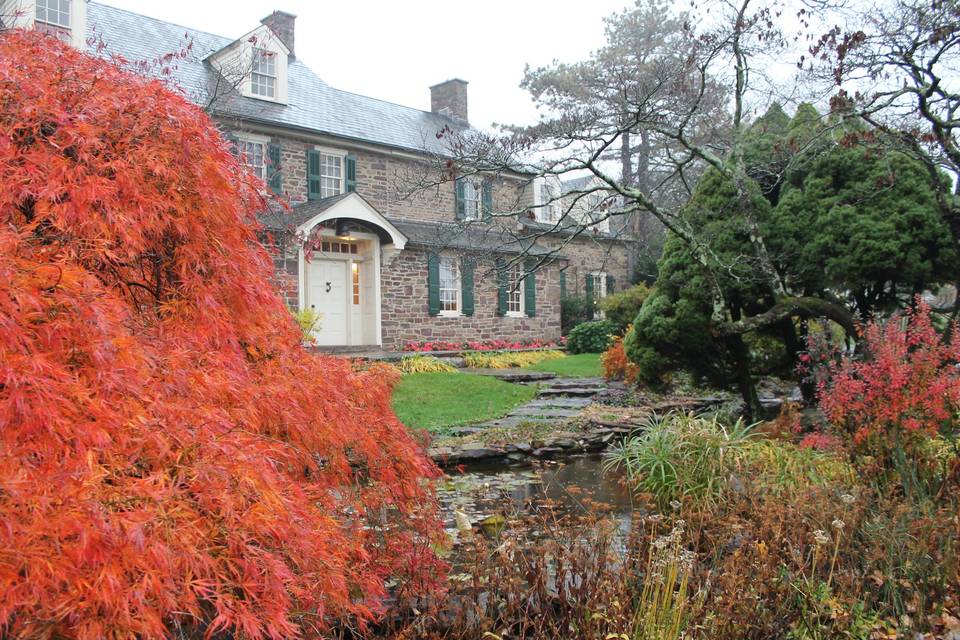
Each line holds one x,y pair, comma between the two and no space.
434,401
582,365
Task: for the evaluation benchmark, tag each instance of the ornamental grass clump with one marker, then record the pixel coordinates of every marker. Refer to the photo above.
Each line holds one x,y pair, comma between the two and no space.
681,455
424,364
664,605
510,359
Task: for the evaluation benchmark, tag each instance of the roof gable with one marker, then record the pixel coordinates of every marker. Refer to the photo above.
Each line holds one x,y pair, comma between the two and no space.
312,105
263,36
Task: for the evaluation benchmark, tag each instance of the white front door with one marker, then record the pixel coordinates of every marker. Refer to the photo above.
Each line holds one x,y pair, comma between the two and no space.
327,291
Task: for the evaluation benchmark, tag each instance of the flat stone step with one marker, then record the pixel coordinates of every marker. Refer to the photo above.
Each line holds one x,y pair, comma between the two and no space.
582,392
545,412
579,382
512,421
559,401
513,375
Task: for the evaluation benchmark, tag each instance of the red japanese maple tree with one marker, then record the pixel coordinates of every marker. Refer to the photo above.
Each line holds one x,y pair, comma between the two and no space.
170,456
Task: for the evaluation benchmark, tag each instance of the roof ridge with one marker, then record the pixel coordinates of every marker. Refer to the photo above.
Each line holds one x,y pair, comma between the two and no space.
296,61
396,104
174,24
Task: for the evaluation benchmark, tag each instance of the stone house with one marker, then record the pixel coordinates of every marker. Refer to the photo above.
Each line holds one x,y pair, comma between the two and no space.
381,261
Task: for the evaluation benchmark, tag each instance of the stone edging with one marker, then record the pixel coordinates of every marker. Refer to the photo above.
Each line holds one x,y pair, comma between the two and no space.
595,437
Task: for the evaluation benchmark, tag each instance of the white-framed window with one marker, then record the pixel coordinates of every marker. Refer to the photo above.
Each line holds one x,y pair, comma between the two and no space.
263,73
549,210
53,17
599,291
472,200
252,153
355,281
515,290
596,217
331,174
599,285
450,289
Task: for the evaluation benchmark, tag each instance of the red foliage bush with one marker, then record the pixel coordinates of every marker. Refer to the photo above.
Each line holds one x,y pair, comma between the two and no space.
907,388
482,345
616,365
170,457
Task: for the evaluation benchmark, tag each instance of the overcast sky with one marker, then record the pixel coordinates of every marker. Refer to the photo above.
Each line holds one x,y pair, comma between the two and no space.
394,49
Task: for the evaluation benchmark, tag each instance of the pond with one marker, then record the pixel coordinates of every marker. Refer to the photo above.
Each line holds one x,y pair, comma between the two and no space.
576,486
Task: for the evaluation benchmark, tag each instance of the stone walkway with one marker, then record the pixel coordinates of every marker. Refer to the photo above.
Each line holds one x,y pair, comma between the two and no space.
560,400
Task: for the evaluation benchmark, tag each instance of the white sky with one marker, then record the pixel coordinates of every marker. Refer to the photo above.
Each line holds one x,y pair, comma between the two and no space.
395,49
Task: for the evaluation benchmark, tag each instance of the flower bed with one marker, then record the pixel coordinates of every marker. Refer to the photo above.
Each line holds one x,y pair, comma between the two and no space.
483,345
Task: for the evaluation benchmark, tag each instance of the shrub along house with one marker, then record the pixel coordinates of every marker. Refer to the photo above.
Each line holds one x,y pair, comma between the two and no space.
381,263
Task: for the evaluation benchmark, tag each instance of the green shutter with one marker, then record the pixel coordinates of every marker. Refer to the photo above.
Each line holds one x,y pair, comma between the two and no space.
611,283
350,173
589,292
460,196
273,171
466,286
501,288
231,142
563,284
313,174
530,288
433,284
486,201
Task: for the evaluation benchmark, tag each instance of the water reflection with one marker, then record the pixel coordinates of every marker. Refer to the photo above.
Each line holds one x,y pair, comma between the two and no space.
578,486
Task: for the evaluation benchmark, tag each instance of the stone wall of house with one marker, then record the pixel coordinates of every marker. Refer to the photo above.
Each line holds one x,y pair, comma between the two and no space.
396,185
406,314
286,269
388,180
585,255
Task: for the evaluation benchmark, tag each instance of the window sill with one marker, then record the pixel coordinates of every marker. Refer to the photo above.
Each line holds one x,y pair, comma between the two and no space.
516,314
449,314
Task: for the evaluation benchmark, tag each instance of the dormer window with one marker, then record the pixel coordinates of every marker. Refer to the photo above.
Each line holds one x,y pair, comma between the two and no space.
550,209
263,73
53,17
256,64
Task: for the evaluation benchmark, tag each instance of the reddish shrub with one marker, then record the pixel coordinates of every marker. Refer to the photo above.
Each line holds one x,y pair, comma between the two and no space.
170,456
820,441
616,365
483,345
907,387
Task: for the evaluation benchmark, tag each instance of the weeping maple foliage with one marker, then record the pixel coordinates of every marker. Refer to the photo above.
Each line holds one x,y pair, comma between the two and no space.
171,459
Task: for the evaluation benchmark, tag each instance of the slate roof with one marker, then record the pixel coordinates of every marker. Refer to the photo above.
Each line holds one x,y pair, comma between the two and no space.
312,104
298,214
473,237
576,184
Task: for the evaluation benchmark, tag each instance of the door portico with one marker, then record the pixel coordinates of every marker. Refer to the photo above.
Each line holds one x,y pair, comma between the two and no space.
339,269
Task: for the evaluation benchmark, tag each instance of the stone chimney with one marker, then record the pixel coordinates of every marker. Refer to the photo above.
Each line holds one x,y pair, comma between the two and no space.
282,24
450,99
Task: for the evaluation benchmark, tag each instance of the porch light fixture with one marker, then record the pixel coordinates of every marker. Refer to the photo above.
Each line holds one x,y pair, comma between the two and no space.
343,228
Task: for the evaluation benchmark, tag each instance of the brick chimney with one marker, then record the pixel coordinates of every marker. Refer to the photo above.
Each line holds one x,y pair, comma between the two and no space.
282,24
450,99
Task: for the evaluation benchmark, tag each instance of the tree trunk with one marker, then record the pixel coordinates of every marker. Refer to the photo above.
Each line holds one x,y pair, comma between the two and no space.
752,410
